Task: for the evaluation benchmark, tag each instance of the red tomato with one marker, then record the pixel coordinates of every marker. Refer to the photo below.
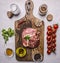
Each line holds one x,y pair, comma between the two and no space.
55,26
49,47
49,38
48,51
53,40
53,45
54,30
49,42
53,35
49,32
49,28
54,49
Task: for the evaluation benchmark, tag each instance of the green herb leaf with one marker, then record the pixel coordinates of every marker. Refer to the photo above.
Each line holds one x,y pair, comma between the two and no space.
27,37
3,30
6,39
7,33
9,29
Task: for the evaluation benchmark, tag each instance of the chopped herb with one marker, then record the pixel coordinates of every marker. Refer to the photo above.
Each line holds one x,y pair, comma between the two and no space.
27,37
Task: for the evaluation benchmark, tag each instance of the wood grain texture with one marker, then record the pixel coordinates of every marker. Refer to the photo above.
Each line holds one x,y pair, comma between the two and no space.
18,42
30,21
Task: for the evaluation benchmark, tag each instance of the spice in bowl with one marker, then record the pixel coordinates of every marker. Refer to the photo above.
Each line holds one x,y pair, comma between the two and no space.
9,52
43,9
15,9
21,52
37,57
49,17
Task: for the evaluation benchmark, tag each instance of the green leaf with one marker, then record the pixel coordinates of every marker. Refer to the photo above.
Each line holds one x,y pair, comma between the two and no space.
3,30
3,34
9,29
7,33
27,37
12,32
6,39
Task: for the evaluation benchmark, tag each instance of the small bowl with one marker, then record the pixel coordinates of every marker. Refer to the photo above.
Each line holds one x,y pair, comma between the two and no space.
21,52
38,60
15,9
11,51
43,9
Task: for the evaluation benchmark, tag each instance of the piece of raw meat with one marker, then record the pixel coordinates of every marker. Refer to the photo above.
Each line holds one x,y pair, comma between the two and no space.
30,37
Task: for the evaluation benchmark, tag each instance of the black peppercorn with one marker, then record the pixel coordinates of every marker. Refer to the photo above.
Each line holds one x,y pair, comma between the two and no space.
37,56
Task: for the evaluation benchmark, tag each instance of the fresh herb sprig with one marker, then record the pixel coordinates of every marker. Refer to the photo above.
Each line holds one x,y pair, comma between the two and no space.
27,37
7,34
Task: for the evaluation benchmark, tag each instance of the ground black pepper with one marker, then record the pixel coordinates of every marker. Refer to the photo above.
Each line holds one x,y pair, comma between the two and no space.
37,56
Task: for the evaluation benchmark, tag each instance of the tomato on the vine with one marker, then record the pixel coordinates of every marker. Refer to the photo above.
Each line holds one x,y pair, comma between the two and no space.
49,32
53,40
53,35
49,38
48,51
53,49
49,47
55,26
53,45
49,28
49,42
54,30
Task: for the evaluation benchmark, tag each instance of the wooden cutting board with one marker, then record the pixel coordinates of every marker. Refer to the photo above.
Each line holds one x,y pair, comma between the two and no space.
18,42
29,21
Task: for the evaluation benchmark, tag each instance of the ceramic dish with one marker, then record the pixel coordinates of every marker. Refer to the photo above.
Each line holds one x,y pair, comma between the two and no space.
9,52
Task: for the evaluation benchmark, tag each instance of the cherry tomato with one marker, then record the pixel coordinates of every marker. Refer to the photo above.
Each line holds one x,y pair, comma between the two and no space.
53,45
48,51
49,38
49,32
53,49
53,35
53,40
49,47
49,42
55,26
54,30
49,28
